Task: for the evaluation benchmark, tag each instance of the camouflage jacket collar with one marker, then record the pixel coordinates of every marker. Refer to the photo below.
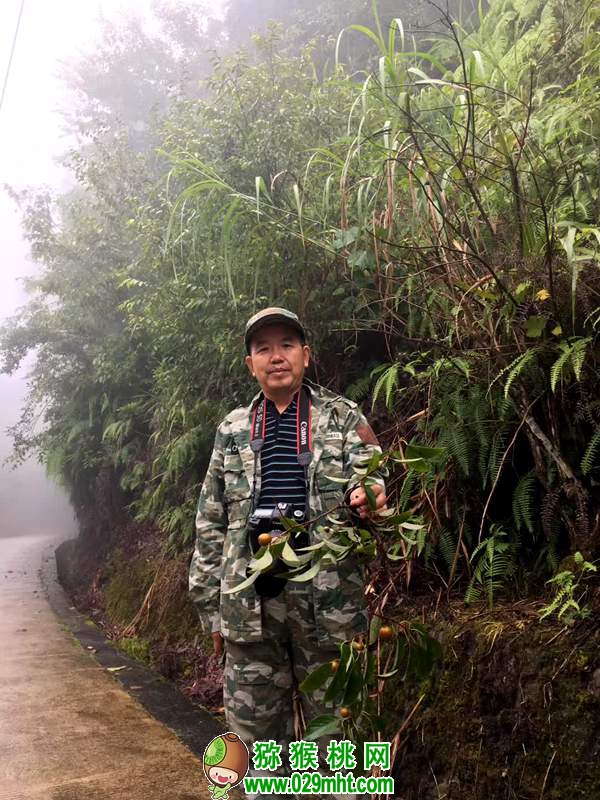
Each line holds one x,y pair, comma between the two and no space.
318,394
323,401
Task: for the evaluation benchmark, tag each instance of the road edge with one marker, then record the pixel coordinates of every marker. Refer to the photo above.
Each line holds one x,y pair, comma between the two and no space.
193,725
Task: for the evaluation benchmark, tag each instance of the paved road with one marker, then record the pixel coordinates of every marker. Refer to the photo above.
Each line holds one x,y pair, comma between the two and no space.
67,730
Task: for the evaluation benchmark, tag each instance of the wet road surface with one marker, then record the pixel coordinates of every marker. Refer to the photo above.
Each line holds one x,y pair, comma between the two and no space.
67,729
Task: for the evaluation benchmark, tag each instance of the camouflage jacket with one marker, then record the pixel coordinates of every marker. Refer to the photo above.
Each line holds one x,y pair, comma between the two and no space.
341,440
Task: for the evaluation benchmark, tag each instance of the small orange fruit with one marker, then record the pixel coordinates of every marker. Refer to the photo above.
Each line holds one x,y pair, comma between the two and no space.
386,632
345,712
358,646
264,539
335,664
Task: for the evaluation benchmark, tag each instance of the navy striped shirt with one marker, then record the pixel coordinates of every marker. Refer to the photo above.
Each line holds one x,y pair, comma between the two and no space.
282,477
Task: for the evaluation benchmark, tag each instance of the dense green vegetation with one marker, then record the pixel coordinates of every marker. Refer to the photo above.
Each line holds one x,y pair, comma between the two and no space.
424,191
432,215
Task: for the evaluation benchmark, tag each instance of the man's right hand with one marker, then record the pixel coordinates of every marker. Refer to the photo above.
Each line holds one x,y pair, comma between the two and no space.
360,503
217,642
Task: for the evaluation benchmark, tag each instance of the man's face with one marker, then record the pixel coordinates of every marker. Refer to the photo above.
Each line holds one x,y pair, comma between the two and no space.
278,359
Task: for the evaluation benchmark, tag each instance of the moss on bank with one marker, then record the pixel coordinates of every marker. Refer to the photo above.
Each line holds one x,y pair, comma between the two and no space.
140,598
513,712
135,647
125,581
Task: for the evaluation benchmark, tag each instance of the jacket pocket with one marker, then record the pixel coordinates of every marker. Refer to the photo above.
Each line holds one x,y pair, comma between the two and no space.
329,471
236,493
240,611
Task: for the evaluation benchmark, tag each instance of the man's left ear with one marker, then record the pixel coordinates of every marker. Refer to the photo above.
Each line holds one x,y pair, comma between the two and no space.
306,350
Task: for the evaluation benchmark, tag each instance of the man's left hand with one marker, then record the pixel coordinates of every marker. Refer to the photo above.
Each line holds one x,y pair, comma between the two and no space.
360,503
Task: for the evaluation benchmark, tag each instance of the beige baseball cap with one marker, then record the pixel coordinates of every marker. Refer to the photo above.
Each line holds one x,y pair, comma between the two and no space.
271,316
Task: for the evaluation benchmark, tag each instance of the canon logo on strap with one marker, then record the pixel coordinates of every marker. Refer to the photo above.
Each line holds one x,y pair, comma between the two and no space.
303,432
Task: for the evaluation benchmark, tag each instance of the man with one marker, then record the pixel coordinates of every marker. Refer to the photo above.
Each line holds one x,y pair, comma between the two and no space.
284,448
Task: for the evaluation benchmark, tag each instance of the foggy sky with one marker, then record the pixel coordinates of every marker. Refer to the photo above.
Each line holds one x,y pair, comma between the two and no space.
30,142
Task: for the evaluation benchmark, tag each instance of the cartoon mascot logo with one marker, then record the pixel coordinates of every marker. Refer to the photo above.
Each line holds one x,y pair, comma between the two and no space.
225,764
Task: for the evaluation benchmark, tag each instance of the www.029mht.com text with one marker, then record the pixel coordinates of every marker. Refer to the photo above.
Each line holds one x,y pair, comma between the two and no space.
315,783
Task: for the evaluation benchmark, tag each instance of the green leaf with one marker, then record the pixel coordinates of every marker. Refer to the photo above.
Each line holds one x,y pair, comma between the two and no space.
289,557
399,660
384,675
354,685
243,585
388,379
303,577
535,327
337,548
345,237
324,725
522,291
360,260
371,499
316,678
262,563
336,479
374,461
311,547
374,629
518,367
336,688
424,452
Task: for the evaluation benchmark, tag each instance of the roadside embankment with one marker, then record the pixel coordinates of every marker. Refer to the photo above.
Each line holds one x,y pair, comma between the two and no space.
512,710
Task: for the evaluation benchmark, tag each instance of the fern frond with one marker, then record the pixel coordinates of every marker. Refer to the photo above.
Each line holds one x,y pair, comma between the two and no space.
496,454
358,390
591,452
578,355
573,354
459,447
77,429
447,546
550,514
461,406
523,501
555,603
56,460
116,431
407,490
517,367
495,562
556,370
388,380
483,430
505,408
473,592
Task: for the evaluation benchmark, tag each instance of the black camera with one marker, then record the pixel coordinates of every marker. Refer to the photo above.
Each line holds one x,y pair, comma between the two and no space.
268,520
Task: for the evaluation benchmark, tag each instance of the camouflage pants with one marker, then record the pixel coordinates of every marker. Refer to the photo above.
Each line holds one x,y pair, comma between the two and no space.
261,678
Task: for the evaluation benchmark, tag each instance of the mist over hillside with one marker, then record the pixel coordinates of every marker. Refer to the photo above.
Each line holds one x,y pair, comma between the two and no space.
29,501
